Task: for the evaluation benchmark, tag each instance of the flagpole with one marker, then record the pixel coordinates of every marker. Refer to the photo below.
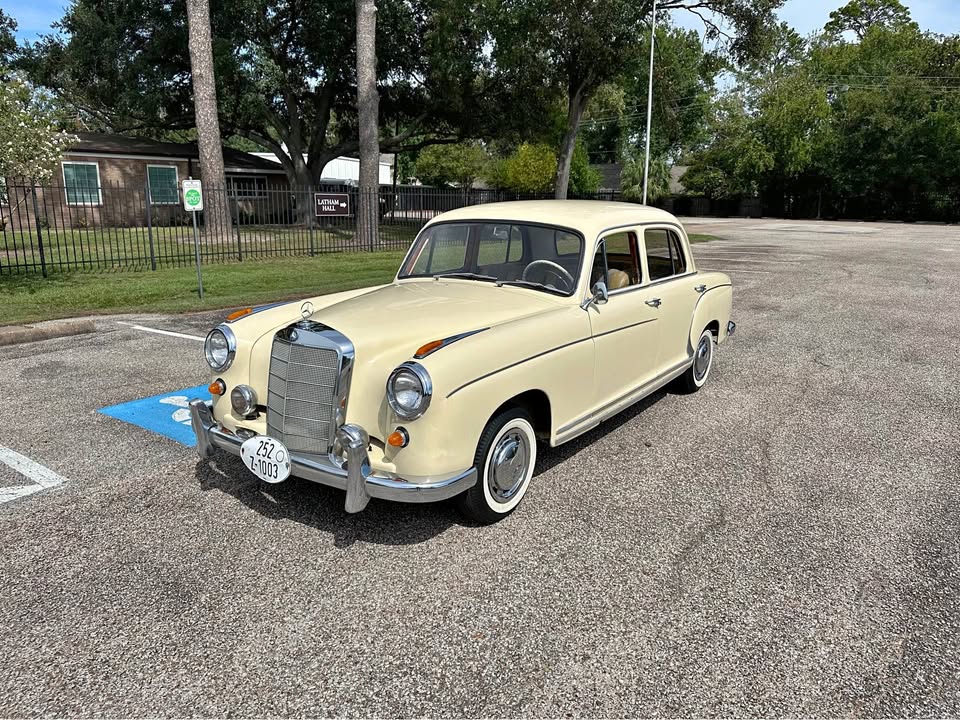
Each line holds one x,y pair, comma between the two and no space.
653,37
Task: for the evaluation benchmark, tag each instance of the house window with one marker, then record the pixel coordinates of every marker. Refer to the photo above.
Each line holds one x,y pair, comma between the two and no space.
247,186
164,184
81,181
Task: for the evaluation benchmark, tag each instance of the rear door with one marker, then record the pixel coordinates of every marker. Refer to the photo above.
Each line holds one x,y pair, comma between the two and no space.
673,287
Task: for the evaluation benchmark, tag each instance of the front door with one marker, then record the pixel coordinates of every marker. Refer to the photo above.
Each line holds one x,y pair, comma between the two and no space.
626,328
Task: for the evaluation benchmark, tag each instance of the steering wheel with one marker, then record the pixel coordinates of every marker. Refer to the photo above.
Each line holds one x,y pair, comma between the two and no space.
550,268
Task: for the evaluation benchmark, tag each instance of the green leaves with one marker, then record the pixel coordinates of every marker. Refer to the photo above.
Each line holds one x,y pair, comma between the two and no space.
30,144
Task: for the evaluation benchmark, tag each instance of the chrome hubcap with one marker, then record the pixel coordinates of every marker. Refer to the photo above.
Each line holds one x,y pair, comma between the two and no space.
508,465
701,362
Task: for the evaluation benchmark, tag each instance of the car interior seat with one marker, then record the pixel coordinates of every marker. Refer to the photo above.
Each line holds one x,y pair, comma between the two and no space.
617,279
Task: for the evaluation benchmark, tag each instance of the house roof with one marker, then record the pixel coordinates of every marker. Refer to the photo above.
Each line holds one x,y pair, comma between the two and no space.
107,145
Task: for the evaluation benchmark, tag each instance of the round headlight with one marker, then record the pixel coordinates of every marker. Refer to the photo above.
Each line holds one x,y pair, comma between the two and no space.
243,399
409,390
220,348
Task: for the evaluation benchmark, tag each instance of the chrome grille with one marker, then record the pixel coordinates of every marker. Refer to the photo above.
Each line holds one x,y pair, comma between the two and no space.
301,395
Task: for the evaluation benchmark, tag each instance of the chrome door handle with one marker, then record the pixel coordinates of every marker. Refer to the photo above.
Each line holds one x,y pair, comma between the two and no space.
654,303
701,288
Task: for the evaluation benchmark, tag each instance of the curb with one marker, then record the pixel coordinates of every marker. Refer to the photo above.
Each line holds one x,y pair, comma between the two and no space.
17,335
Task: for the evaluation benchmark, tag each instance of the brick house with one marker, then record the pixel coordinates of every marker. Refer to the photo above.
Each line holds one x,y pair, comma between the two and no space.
117,181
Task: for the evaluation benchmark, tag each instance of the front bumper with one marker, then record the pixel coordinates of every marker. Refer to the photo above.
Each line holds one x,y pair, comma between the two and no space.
356,478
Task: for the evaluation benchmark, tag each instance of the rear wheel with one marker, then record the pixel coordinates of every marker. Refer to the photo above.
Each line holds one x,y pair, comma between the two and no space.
696,376
505,458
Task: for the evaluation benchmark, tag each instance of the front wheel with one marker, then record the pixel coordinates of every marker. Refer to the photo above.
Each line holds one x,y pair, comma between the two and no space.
506,456
696,376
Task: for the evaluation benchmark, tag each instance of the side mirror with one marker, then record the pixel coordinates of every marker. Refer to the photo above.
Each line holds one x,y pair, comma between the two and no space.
600,295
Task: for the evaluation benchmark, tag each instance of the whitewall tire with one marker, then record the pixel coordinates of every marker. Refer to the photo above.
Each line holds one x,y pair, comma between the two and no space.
505,459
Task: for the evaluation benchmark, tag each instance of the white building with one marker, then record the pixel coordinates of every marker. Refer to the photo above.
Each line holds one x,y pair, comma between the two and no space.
345,169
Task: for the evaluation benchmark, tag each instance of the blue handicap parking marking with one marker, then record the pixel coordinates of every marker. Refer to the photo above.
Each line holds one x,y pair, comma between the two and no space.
167,414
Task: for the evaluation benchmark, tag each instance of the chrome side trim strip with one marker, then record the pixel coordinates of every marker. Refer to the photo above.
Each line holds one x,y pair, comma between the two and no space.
632,396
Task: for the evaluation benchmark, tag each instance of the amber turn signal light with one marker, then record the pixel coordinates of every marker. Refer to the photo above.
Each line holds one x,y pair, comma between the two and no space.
399,438
428,348
217,387
238,314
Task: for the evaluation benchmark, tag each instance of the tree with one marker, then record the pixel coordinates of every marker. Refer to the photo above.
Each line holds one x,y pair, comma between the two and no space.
580,45
858,16
8,40
206,115
532,169
368,107
286,73
30,144
459,165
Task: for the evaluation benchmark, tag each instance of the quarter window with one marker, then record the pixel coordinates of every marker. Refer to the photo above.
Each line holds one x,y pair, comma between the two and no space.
81,182
665,256
163,183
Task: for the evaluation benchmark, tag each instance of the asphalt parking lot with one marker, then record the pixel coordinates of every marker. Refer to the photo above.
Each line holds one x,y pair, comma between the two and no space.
785,542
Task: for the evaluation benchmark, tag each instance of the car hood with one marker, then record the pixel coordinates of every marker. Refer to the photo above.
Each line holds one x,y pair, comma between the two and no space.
388,324
391,322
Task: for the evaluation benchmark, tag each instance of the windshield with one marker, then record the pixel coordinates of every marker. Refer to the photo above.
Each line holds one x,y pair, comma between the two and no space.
534,256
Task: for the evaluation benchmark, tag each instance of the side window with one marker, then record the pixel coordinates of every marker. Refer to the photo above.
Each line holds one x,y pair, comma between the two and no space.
679,261
618,268
659,248
623,268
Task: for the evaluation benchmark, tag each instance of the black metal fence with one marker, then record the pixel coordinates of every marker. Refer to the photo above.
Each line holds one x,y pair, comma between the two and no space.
112,227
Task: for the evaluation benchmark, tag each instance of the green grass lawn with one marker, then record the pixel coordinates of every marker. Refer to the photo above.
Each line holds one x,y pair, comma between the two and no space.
31,298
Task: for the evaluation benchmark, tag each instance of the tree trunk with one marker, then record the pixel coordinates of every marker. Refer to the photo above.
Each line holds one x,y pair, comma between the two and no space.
575,107
368,111
216,205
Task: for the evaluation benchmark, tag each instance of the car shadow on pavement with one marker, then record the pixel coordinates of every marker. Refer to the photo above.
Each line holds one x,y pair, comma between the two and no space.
321,507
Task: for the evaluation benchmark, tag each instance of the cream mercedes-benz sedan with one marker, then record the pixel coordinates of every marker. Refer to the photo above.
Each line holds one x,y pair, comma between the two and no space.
508,325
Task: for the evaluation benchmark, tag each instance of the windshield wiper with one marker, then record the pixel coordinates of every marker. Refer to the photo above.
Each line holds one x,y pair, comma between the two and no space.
533,285
467,276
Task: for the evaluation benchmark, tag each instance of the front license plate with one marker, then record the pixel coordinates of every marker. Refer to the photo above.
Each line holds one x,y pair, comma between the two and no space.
266,458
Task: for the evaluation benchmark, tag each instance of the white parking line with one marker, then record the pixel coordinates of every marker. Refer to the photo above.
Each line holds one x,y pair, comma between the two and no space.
43,477
737,270
161,332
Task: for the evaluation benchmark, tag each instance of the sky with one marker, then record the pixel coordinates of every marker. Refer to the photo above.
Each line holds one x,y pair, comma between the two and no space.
943,16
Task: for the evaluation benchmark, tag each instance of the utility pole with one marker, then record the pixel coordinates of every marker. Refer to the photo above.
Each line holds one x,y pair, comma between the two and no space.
653,39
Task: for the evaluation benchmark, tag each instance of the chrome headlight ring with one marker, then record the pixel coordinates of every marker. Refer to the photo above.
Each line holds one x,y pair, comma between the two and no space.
409,379
220,348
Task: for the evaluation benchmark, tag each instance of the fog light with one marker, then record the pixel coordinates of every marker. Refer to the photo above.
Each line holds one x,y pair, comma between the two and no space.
244,400
399,438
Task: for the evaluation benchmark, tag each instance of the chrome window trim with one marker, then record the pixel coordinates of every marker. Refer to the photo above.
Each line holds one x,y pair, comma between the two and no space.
425,382
231,346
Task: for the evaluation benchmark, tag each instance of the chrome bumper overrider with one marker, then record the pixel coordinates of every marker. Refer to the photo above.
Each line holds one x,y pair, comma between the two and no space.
357,478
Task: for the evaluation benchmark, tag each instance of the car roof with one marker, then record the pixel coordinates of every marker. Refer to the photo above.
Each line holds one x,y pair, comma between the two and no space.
590,217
